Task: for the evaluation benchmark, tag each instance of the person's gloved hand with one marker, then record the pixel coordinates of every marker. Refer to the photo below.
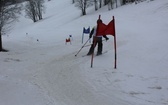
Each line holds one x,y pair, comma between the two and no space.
107,38
90,36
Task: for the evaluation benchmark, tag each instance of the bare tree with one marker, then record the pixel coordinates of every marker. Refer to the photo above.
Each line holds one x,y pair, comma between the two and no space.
96,5
100,3
110,4
31,11
123,2
116,3
106,2
73,1
83,5
40,8
34,9
8,14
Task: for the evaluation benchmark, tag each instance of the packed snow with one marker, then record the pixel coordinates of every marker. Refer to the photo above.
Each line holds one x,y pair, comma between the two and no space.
41,69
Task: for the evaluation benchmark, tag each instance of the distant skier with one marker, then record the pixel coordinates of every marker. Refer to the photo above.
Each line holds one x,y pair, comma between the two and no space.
96,39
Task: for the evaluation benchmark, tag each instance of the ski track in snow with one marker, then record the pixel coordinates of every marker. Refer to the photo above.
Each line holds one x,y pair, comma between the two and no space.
62,80
56,76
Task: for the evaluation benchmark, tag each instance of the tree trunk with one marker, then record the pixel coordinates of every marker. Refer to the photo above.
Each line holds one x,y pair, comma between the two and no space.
0,41
73,1
105,2
100,3
0,29
83,12
116,4
84,8
96,8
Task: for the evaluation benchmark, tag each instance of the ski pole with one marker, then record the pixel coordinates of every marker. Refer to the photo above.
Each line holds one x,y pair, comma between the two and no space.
87,45
82,47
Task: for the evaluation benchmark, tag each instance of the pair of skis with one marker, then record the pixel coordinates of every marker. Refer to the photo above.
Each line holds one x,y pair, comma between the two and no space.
96,55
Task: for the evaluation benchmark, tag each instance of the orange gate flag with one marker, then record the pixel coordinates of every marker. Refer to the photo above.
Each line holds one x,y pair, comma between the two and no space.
101,27
104,29
110,30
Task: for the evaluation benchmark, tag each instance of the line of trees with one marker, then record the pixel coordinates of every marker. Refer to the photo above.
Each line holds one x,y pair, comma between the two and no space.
84,4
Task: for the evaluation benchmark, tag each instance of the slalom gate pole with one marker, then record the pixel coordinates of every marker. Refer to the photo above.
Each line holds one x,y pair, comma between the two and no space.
94,43
82,47
115,46
82,36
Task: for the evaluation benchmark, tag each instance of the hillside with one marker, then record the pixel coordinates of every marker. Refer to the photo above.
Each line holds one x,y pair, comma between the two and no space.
46,72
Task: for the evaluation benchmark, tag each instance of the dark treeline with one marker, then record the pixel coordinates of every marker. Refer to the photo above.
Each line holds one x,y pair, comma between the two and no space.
9,2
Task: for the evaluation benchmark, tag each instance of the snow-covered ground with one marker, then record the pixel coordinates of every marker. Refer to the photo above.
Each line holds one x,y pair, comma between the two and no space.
46,72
